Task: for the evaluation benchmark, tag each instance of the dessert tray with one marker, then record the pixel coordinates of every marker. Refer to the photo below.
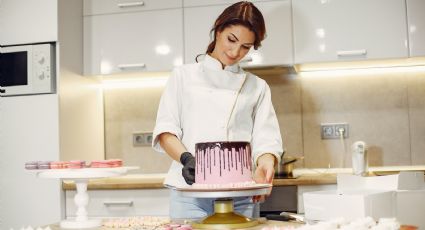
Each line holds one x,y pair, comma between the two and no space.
81,178
89,173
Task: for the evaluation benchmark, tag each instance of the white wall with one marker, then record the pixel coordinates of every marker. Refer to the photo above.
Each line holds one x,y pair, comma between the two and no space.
80,98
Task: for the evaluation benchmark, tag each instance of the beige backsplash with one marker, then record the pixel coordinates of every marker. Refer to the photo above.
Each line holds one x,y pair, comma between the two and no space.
387,111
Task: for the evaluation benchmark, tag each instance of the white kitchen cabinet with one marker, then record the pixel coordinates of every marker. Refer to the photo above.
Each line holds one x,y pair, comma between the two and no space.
276,49
190,3
48,126
93,7
416,25
343,30
119,203
23,21
29,132
134,41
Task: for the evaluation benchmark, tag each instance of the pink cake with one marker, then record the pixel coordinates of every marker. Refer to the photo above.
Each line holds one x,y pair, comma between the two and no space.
223,163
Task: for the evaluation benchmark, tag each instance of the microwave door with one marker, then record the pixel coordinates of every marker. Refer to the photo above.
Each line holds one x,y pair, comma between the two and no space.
16,70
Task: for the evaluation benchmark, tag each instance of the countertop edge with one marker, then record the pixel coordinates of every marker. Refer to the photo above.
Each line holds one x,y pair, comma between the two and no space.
303,176
157,183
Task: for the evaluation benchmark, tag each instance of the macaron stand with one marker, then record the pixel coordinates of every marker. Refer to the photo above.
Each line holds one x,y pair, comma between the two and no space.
81,177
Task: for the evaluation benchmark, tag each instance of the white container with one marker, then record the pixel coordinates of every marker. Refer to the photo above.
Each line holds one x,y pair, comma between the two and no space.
401,196
326,205
359,158
411,207
402,181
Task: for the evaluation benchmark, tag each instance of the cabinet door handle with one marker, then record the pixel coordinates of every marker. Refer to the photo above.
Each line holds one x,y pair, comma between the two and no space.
345,53
128,203
246,59
131,66
131,4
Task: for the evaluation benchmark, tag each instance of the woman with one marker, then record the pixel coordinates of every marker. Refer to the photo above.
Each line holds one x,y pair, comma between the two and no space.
215,100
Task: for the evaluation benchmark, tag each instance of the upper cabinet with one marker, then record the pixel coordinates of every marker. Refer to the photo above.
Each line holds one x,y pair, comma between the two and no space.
93,7
276,49
124,36
326,30
23,21
416,25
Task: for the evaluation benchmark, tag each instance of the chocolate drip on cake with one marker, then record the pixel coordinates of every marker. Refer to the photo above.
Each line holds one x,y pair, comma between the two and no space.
197,162
228,160
209,160
224,159
236,156
214,159
236,160
203,162
220,162
242,159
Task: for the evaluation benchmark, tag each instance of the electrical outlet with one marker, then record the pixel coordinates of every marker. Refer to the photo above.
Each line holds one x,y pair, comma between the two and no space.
328,131
344,128
332,130
142,139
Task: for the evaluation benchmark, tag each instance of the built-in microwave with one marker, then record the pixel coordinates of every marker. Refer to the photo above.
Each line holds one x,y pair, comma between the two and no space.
27,69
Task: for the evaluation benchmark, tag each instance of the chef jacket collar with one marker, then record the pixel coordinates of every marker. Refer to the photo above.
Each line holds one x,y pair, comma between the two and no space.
215,64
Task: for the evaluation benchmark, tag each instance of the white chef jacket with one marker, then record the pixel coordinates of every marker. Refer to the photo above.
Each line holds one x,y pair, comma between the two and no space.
197,103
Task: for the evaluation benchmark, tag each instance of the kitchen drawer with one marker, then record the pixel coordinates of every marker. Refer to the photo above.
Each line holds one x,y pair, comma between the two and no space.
93,7
115,203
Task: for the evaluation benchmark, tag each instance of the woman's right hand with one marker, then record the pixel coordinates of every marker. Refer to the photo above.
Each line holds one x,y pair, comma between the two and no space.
188,170
176,150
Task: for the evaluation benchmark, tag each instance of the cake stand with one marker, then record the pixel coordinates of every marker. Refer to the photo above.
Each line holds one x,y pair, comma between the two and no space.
224,217
81,198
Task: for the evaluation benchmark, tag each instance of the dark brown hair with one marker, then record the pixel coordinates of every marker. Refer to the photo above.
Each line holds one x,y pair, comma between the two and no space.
241,13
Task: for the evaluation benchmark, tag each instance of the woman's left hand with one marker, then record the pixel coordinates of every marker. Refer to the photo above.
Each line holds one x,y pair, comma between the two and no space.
264,173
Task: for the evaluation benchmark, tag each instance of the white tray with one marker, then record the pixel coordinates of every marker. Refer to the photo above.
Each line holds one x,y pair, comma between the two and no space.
253,190
83,173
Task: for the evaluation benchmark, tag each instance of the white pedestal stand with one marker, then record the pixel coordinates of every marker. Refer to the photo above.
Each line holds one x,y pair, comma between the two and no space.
81,199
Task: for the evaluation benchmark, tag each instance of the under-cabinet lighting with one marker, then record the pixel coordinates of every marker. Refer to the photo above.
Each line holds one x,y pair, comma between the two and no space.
135,81
361,68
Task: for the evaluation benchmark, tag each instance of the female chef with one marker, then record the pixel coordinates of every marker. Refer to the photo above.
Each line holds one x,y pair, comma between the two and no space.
216,100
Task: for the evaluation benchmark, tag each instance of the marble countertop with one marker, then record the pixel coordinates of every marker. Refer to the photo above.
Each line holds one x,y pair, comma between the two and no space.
303,176
155,181
269,224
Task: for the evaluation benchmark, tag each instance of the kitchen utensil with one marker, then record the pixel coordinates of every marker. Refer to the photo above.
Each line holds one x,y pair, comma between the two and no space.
279,217
286,166
289,162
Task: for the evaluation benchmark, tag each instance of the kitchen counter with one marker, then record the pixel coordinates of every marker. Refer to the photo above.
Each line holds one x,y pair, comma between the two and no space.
303,176
270,224
152,181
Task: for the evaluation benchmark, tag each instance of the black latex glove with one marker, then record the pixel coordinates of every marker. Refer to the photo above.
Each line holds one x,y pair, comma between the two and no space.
188,170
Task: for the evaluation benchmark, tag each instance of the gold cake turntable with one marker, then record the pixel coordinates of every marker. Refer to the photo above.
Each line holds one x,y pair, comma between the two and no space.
224,216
